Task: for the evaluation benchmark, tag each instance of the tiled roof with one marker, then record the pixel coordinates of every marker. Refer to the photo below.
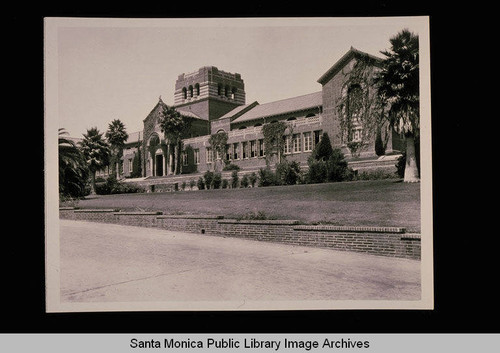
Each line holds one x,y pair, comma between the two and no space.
189,114
283,106
236,110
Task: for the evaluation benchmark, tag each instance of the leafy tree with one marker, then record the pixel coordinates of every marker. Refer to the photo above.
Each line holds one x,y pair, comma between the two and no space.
174,126
96,152
209,178
287,173
399,87
73,171
116,136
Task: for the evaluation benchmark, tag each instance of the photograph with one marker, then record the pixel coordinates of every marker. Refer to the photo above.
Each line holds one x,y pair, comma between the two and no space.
237,164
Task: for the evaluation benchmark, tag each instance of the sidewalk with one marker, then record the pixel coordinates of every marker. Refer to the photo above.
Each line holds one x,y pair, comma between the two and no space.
115,263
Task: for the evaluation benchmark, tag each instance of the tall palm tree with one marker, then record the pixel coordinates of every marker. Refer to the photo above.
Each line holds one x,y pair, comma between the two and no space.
73,172
116,136
399,87
96,152
173,125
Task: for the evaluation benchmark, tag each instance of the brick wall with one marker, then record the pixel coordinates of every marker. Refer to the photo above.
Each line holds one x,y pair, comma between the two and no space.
383,241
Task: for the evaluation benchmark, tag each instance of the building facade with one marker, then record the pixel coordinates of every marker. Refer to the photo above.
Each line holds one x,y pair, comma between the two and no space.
214,101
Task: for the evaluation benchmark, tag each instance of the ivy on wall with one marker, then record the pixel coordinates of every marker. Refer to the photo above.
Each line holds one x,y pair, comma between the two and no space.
274,142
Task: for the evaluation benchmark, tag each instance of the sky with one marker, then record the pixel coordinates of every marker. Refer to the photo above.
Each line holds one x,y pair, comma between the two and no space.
118,68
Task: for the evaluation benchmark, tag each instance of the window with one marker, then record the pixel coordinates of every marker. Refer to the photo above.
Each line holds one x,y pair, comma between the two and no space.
261,148
184,93
235,150
210,155
317,137
233,93
197,89
228,153
219,89
288,144
296,143
217,155
184,158
191,91
357,134
253,148
130,165
244,147
197,156
307,142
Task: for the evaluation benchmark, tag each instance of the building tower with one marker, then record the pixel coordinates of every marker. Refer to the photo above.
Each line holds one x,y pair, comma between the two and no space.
209,92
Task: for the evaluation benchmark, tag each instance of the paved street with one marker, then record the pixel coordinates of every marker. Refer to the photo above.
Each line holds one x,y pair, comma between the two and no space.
115,263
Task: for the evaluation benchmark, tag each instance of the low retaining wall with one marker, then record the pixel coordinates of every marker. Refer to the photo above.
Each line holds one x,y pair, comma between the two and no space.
385,241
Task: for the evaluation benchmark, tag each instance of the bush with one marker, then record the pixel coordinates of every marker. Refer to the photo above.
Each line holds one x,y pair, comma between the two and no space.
217,181
231,166
258,216
287,173
337,169
200,184
376,174
192,183
234,179
317,171
183,185
113,186
225,183
244,181
267,177
253,179
209,178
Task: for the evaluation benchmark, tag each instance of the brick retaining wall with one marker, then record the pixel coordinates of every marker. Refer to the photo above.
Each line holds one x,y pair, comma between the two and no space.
385,241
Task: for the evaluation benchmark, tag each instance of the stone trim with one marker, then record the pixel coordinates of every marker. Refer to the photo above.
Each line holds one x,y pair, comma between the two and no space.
353,229
137,213
280,222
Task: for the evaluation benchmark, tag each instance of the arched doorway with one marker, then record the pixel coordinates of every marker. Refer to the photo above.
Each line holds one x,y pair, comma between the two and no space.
159,162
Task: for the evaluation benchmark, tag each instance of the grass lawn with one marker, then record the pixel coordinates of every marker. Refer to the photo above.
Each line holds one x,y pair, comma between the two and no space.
384,203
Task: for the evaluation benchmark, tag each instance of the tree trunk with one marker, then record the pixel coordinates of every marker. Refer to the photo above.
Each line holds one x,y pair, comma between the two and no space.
411,167
176,158
92,183
170,159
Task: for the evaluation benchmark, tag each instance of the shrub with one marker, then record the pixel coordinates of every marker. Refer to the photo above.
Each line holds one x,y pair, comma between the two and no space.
266,177
377,174
192,183
258,216
225,183
337,169
231,166
234,179
200,184
317,171
209,178
113,186
217,180
253,179
183,185
244,181
287,173
323,149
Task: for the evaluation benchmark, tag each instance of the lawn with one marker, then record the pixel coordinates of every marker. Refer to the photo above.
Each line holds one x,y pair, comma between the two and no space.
384,203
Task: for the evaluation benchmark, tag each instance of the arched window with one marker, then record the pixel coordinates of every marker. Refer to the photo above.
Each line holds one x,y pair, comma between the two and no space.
310,115
291,118
197,89
220,88
226,91
233,92
184,93
191,91
243,127
220,130
258,124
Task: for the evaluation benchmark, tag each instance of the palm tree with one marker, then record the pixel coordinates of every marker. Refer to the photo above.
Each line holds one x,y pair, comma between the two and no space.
399,87
116,136
96,152
173,125
73,172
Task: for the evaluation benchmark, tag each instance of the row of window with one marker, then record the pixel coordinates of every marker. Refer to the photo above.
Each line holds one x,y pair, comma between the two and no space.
295,143
194,91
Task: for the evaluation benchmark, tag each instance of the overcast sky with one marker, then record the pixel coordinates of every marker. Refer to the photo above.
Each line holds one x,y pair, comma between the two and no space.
117,69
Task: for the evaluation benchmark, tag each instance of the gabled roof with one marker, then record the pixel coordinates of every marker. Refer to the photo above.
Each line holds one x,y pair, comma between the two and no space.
284,106
344,60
